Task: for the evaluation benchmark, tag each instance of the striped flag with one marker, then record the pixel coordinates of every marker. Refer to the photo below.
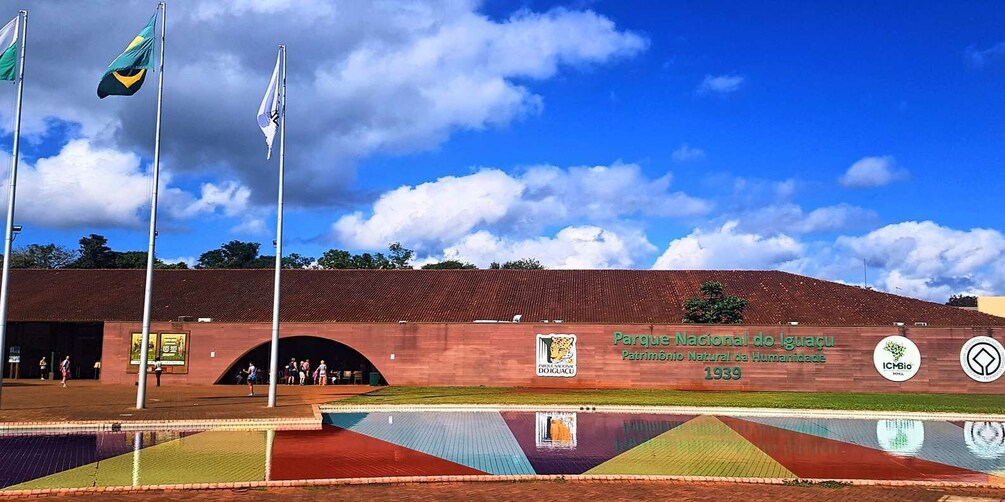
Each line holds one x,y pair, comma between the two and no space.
8,50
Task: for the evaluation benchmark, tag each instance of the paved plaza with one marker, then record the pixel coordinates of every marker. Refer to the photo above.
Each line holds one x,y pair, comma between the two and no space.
87,400
545,491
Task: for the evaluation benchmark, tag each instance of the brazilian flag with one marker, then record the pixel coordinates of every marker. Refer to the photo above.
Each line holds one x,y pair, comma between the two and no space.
126,73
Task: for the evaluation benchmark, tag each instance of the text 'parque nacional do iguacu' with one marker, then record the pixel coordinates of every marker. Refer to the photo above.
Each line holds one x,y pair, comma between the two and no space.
708,347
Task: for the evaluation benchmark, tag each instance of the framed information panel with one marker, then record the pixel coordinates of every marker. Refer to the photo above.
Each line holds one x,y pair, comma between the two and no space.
171,348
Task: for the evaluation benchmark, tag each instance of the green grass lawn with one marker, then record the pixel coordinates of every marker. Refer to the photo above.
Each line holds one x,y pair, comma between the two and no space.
831,401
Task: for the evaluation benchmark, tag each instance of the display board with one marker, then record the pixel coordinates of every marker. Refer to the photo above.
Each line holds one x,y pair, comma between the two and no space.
171,348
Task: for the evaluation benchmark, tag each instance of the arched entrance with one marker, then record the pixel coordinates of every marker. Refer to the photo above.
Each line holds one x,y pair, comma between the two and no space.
337,357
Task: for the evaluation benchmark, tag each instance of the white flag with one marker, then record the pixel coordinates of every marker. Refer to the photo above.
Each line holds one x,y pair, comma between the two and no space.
268,113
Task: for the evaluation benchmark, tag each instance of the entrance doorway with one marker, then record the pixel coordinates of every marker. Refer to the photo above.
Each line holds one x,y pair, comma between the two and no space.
53,341
351,366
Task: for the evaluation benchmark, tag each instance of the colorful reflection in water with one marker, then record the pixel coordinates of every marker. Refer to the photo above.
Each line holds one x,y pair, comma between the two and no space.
351,445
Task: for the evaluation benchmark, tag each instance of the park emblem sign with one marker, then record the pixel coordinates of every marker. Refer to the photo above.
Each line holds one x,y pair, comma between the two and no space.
897,358
981,358
556,355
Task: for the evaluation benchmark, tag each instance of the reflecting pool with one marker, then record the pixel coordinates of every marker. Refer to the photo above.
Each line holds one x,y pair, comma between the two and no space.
389,444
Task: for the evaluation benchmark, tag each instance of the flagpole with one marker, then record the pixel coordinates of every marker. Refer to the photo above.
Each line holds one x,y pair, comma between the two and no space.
274,355
141,389
9,235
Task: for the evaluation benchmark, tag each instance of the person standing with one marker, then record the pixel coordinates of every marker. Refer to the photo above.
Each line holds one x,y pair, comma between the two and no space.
42,366
158,369
64,368
305,369
291,372
322,373
97,369
252,373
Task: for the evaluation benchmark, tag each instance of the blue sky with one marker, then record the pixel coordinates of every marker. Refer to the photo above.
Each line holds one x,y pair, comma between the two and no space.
801,136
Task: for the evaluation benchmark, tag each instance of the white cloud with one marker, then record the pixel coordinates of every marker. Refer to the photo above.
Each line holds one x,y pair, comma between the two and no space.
84,185
873,172
720,84
582,247
442,211
791,219
383,77
437,211
978,58
208,10
604,193
686,153
725,248
229,197
926,260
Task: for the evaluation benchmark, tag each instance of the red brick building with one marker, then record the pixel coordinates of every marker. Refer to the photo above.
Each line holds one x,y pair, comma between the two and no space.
456,327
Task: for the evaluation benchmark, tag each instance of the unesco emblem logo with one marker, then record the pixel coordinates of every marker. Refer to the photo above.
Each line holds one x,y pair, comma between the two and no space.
981,358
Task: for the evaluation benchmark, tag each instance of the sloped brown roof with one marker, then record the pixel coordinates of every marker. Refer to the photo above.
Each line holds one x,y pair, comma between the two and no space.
364,296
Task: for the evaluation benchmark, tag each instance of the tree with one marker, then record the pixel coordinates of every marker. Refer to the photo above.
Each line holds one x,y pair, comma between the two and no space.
293,260
955,300
399,256
42,256
715,308
138,259
336,259
234,254
94,253
521,264
369,261
342,259
449,265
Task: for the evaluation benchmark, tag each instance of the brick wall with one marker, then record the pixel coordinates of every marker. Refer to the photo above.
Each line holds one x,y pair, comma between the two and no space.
471,354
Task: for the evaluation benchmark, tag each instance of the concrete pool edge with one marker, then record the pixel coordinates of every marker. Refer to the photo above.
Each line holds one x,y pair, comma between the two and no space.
296,423
315,422
670,410
144,425
808,482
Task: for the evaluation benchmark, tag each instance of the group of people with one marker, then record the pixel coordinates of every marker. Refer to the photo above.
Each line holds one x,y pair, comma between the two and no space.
295,372
64,368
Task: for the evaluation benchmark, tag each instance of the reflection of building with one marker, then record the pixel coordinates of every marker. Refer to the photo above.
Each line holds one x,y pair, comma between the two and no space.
994,305
427,327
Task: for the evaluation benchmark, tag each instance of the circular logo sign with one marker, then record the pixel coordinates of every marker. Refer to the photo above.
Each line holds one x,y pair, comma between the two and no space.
981,358
897,358
985,439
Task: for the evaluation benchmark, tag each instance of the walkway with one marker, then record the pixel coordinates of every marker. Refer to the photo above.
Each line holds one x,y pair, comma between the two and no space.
85,400
570,490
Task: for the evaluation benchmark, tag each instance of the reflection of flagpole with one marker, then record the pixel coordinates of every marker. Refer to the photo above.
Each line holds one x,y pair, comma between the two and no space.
9,236
137,446
270,437
141,390
274,355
